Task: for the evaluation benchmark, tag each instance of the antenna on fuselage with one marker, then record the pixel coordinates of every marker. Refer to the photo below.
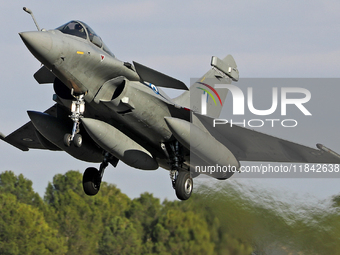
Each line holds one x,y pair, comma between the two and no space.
31,13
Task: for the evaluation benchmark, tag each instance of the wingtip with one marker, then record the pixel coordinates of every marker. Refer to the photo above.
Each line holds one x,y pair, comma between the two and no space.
2,136
328,150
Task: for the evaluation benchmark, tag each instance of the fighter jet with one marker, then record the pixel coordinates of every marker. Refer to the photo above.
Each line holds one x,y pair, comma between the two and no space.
107,111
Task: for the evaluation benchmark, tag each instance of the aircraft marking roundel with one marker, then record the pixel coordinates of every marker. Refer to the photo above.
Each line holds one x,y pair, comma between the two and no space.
154,88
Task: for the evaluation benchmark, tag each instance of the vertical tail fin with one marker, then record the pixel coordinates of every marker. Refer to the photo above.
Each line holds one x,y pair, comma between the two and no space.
203,97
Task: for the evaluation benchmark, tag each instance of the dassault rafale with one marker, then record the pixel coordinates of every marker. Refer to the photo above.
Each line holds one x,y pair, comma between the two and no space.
107,110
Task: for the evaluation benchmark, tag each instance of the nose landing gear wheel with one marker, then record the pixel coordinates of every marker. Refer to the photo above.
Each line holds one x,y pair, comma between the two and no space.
91,181
78,140
67,140
184,185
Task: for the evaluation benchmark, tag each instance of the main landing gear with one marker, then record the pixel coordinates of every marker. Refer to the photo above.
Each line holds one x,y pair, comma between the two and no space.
182,183
92,177
77,110
180,179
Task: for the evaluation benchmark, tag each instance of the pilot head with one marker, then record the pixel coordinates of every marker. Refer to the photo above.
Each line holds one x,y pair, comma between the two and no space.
78,27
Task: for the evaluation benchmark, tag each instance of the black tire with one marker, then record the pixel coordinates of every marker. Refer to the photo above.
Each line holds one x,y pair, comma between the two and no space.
67,140
91,181
184,185
77,140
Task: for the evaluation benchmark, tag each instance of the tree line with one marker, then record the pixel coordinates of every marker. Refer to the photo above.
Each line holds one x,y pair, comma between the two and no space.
222,221
66,221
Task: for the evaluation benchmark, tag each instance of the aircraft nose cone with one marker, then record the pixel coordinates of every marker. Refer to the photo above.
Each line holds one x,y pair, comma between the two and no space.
40,45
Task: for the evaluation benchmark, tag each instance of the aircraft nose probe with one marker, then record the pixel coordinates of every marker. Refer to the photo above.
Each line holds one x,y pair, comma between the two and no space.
31,13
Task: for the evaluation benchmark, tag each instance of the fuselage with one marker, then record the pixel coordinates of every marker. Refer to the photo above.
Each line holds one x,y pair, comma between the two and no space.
79,59
108,111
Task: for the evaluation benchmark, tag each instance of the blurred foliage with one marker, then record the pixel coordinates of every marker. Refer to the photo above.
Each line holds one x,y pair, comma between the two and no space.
259,218
226,219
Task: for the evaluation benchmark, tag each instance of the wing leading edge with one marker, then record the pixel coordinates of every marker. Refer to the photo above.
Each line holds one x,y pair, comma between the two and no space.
159,79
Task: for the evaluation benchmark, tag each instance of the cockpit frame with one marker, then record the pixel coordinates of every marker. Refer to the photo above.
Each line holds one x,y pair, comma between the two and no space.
80,29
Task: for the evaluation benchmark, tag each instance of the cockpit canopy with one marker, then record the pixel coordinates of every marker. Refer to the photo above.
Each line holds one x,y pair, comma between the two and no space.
80,29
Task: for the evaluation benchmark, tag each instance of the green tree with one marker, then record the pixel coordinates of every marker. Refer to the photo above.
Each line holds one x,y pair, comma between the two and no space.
23,229
120,237
187,233
20,187
336,201
73,214
160,238
144,213
80,218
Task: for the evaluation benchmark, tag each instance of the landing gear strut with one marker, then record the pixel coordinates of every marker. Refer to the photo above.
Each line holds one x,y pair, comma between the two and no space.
92,177
77,110
180,179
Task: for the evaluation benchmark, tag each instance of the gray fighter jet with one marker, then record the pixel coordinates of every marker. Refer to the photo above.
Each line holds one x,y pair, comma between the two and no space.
107,110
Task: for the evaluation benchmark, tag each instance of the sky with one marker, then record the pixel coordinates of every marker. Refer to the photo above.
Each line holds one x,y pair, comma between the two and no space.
267,39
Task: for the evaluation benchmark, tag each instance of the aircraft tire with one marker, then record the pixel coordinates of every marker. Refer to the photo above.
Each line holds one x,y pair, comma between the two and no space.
77,140
184,185
91,181
67,140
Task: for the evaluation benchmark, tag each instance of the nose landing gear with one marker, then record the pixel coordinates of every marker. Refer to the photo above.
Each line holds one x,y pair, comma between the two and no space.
77,110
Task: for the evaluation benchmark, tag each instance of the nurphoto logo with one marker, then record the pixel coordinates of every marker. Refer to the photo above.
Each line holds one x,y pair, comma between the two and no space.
204,98
239,104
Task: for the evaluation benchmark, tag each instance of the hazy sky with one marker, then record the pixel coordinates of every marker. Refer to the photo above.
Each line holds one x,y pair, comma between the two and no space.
266,38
